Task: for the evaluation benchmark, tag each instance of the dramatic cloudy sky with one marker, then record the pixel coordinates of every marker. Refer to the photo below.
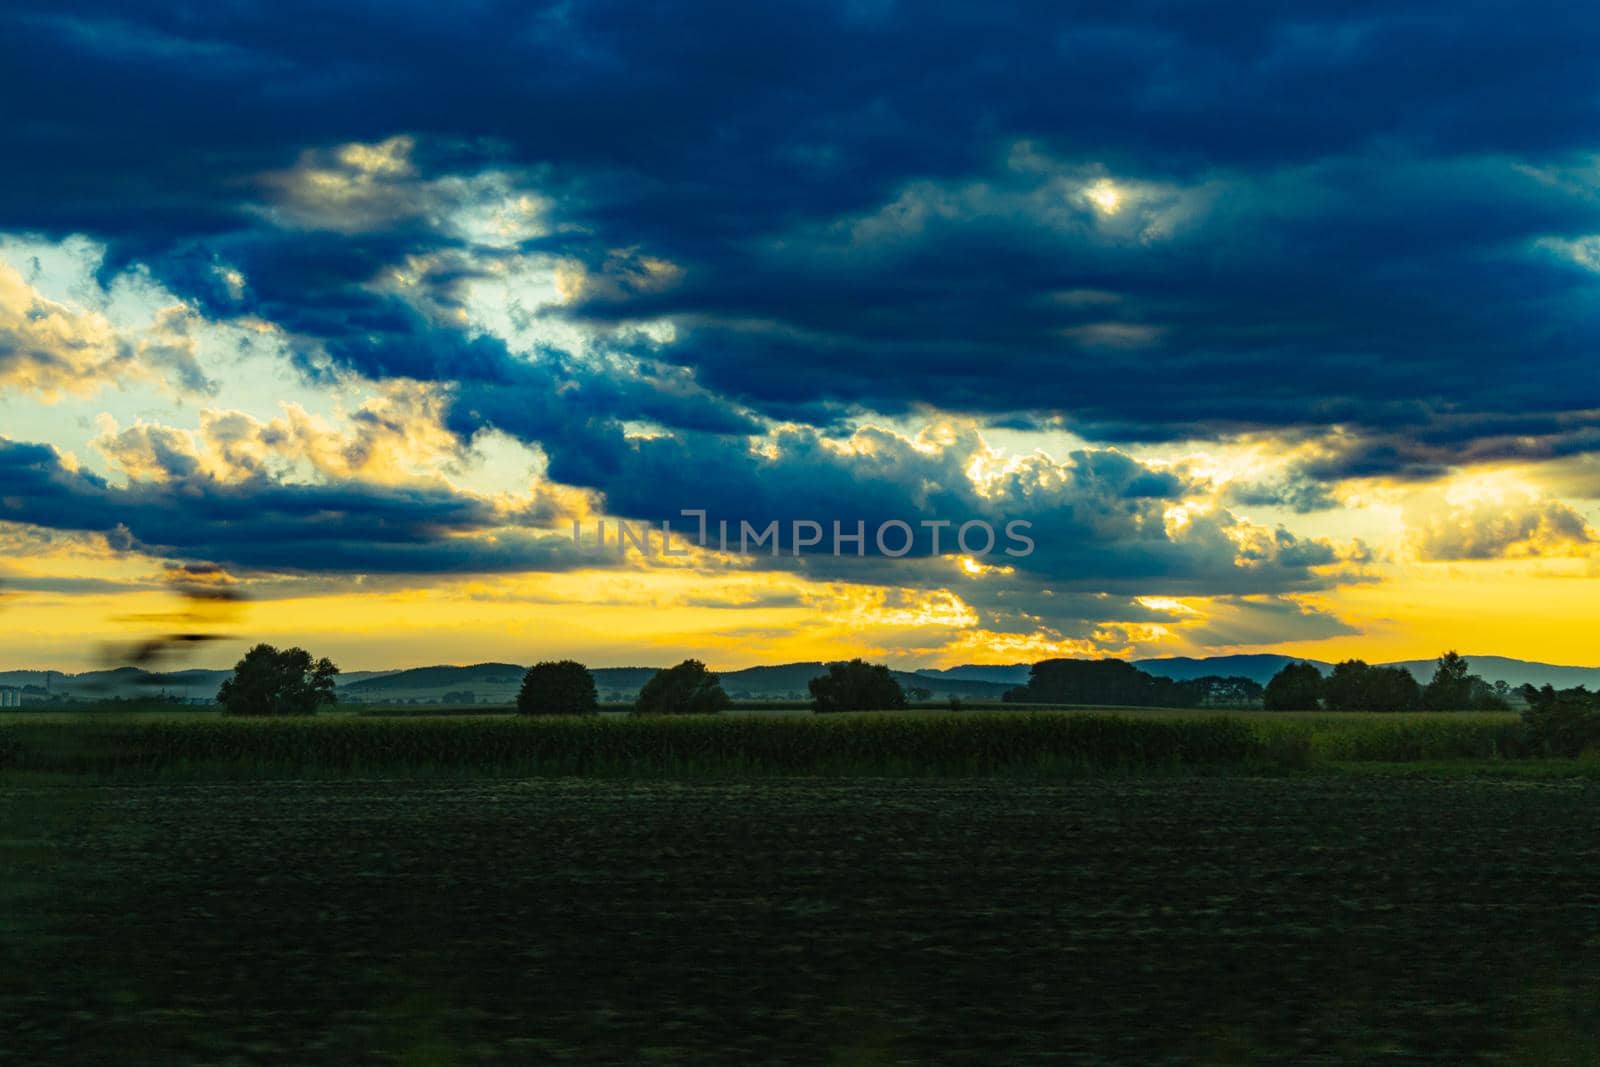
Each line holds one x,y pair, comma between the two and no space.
321,323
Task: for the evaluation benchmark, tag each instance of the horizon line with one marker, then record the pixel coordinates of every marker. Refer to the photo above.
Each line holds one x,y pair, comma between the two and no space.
1469,656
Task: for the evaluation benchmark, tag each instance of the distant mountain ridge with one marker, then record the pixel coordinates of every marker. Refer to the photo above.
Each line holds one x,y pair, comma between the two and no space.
1260,667
126,683
497,683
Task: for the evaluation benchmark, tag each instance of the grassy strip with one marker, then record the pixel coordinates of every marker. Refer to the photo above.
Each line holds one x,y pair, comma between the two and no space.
1398,738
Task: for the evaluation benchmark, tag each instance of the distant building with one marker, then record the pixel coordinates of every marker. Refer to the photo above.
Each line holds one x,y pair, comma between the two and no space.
10,697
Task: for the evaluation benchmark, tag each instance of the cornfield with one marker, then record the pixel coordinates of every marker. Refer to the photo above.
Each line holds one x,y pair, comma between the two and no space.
880,743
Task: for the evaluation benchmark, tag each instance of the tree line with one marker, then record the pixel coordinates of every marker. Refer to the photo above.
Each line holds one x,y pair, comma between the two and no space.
272,681
1356,685
566,687
1119,683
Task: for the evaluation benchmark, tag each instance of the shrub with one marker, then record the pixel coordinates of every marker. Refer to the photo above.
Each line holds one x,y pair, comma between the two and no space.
268,681
563,687
856,686
687,689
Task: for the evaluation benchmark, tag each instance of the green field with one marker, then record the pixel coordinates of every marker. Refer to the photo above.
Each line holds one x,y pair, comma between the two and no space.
908,743
1148,888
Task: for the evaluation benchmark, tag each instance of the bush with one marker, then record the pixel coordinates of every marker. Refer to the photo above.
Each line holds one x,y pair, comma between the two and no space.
687,689
558,688
268,681
856,686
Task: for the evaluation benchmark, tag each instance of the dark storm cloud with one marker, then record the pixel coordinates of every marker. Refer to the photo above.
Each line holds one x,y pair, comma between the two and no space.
1298,493
1097,520
1330,215
1369,293
1365,240
261,524
1427,451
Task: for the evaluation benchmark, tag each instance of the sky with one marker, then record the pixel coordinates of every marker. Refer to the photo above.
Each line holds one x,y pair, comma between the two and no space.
1273,325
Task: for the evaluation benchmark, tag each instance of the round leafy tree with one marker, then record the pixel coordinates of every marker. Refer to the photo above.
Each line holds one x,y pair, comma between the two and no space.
1298,687
1356,686
687,689
270,681
558,688
856,686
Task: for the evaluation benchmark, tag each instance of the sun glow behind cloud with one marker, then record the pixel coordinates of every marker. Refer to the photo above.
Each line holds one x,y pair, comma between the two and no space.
1105,196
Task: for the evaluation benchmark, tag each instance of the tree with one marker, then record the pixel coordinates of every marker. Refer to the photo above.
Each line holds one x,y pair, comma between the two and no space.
856,686
1346,688
1081,681
1451,687
558,688
1392,689
1564,722
1355,686
1298,687
1483,696
687,689
1215,691
268,681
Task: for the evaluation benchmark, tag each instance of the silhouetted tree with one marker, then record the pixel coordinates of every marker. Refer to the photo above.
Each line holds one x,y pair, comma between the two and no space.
1215,691
1562,722
1345,689
1451,687
1392,689
686,689
856,686
562,687
1298,687
1355,686
1091,681
269,681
